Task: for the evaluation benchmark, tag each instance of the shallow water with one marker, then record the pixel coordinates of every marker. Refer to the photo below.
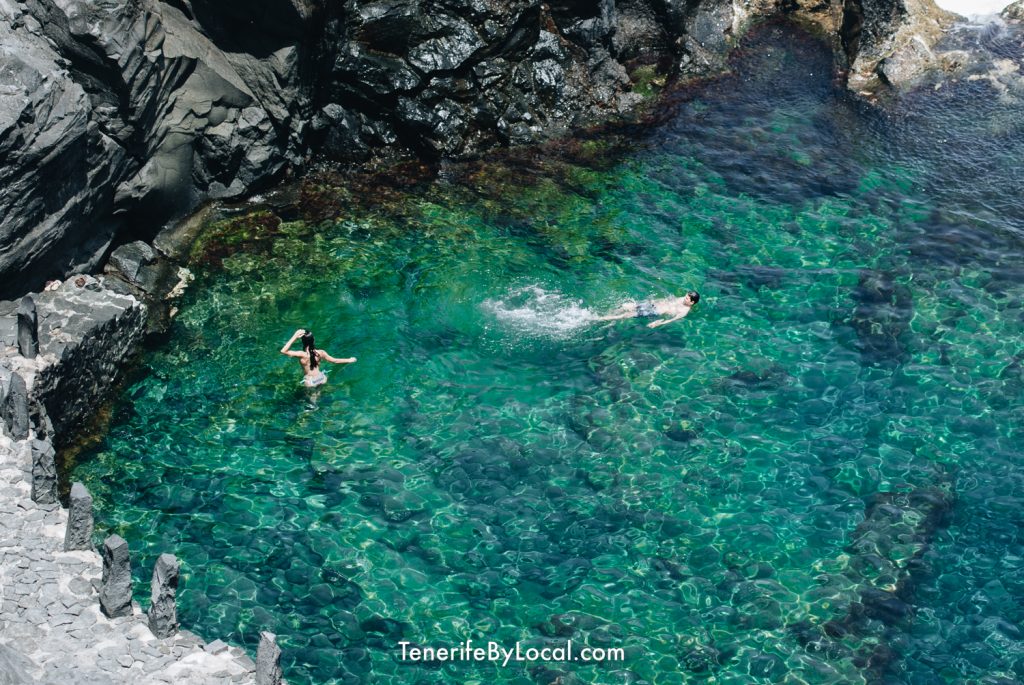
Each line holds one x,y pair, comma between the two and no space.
815,477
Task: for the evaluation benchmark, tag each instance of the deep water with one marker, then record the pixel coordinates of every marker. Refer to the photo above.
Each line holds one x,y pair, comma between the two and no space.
815,477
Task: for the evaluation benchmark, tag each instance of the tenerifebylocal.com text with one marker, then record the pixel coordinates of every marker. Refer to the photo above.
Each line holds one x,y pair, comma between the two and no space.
494,652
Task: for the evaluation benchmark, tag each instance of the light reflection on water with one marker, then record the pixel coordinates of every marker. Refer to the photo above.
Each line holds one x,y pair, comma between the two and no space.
815,477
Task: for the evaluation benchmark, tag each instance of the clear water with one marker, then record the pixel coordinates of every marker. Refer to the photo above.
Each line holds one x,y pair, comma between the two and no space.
813,478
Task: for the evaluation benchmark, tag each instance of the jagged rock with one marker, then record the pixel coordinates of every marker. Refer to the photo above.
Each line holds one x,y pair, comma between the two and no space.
163,611
15,407
91,331
28,328
80,521
268,660
44,472
1014,12
119,115
129,259
116,585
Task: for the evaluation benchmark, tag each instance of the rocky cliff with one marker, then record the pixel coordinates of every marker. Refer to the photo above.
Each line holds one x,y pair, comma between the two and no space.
119,115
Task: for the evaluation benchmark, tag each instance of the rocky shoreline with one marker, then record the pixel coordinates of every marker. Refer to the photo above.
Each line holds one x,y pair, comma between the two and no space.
117,116
54,627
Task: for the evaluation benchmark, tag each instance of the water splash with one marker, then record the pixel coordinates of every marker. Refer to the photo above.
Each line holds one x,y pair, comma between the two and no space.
534,311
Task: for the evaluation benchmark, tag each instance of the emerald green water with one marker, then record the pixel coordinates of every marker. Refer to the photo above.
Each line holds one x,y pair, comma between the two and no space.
496,466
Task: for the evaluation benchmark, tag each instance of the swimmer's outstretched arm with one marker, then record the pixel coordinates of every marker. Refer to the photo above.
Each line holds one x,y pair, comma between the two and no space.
291,341
323,355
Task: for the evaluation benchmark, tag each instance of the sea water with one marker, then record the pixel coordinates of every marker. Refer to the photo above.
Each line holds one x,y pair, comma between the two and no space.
815,477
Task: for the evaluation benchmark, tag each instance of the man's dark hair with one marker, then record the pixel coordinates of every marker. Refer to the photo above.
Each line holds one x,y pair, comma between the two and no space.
694,295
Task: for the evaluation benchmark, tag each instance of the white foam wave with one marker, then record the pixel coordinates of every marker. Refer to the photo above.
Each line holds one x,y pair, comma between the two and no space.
532,310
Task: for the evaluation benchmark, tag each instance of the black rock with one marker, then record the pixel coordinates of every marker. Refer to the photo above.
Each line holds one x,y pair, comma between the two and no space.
28,328
44,472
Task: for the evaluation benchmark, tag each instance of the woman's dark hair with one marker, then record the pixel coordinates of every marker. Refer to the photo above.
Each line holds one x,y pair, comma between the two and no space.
694,295
310,346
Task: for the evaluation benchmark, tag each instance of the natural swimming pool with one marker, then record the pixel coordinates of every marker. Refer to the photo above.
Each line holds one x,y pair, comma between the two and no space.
815,476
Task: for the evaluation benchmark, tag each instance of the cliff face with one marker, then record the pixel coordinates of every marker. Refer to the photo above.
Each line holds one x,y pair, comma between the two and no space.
118,115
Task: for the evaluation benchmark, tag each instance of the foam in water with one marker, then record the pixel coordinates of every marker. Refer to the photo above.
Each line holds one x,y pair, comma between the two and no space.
532,310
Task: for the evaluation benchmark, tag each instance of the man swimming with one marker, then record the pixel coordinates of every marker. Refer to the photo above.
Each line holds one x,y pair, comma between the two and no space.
672,308
310,358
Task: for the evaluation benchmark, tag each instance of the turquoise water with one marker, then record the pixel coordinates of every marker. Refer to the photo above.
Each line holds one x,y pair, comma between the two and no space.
813,478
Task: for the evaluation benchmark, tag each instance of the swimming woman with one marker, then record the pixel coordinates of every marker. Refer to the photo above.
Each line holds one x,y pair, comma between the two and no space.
310,358
670,308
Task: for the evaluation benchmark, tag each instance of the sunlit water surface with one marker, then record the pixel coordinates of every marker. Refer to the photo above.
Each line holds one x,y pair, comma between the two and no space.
815,477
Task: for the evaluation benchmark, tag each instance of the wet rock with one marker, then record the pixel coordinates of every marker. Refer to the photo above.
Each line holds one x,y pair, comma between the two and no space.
163,610
44,472
28,328
80,520
268,660
1014,12
116,584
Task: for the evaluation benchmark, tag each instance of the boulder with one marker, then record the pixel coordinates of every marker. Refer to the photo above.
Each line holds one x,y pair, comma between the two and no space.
268,660
15,408
28,328
80,521
44,472
116,584
163,611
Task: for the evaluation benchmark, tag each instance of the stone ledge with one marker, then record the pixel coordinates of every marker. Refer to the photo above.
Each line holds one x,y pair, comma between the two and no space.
52,629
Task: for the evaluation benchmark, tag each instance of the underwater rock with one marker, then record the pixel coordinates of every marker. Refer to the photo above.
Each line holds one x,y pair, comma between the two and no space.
80,520
881,318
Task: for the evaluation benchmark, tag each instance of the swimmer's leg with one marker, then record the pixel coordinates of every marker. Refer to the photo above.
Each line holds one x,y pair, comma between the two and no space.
626,311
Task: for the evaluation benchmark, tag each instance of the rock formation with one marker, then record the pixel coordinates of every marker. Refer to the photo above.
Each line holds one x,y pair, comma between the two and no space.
78,534
116,586
163,608
119,115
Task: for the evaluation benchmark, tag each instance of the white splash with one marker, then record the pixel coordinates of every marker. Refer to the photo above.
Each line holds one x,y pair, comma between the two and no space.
532,310
974,8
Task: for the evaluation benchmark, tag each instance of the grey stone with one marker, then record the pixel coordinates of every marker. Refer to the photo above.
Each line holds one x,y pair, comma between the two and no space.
116,586
129,259
28,328
15,667
163,612
44,472
80,521
216,647
268,660
15,407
